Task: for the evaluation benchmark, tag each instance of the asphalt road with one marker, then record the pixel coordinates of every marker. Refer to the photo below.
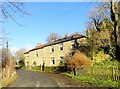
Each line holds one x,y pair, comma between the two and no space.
33,79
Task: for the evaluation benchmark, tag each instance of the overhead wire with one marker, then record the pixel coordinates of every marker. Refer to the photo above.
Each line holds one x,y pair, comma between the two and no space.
60,16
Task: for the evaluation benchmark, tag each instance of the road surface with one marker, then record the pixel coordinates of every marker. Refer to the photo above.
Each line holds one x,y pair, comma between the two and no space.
33,79
42,79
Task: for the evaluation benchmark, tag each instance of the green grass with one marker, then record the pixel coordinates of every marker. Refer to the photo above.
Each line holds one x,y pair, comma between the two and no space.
104,70
95,81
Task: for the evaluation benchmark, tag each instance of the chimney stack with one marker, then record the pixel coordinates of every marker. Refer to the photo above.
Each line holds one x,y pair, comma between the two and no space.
39,44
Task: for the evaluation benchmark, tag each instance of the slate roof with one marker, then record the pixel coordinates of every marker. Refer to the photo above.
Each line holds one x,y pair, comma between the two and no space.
77,36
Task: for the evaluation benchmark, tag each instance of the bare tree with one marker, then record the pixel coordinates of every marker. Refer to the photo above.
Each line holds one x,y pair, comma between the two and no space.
98,14
8,65
9,9
52,37
20,56
20,53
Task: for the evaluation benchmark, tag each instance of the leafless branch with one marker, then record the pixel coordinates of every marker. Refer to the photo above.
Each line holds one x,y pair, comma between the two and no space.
9,9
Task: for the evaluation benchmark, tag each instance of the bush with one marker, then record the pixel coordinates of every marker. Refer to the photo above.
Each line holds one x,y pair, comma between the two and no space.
101,56
62,63
36,67
56,69
32,67
77,59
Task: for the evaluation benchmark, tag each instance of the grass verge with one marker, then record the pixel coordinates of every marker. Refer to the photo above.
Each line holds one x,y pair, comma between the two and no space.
95,81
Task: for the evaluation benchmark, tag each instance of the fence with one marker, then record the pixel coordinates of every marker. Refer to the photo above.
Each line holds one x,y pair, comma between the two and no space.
101,72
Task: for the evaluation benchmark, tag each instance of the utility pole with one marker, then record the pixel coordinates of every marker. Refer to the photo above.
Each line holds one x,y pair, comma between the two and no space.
8,56
7,46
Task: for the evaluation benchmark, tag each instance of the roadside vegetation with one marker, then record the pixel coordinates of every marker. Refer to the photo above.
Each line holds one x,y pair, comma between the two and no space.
7,70
95,81
104,73
103,48
5,82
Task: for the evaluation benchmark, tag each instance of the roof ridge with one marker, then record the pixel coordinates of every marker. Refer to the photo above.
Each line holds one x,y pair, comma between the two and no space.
61,40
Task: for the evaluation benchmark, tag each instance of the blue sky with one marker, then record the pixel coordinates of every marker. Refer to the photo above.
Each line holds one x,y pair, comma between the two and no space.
46,18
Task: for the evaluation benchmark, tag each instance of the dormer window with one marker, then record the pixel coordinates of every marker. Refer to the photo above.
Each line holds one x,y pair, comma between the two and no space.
52,49
61,47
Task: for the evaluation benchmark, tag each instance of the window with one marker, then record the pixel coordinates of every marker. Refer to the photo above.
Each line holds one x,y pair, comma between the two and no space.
61,63
61,58
42,62
76,43
52,49
27,63
72,45
26,56
60,47
34,63
52,61
36,53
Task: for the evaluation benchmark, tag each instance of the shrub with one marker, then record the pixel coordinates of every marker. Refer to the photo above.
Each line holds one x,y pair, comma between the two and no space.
101,56
77,59
36,68
62,63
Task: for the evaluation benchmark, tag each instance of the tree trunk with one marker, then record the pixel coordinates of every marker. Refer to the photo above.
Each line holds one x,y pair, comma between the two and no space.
114,35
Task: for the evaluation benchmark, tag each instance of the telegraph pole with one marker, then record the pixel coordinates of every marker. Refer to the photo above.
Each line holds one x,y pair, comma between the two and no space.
7,46
8,58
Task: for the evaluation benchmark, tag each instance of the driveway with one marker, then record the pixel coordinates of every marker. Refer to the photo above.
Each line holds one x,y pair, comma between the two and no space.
33,79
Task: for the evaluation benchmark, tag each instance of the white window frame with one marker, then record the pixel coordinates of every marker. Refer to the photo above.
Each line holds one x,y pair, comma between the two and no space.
51,60
27,63
42,61
26,56
60,45
52,49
